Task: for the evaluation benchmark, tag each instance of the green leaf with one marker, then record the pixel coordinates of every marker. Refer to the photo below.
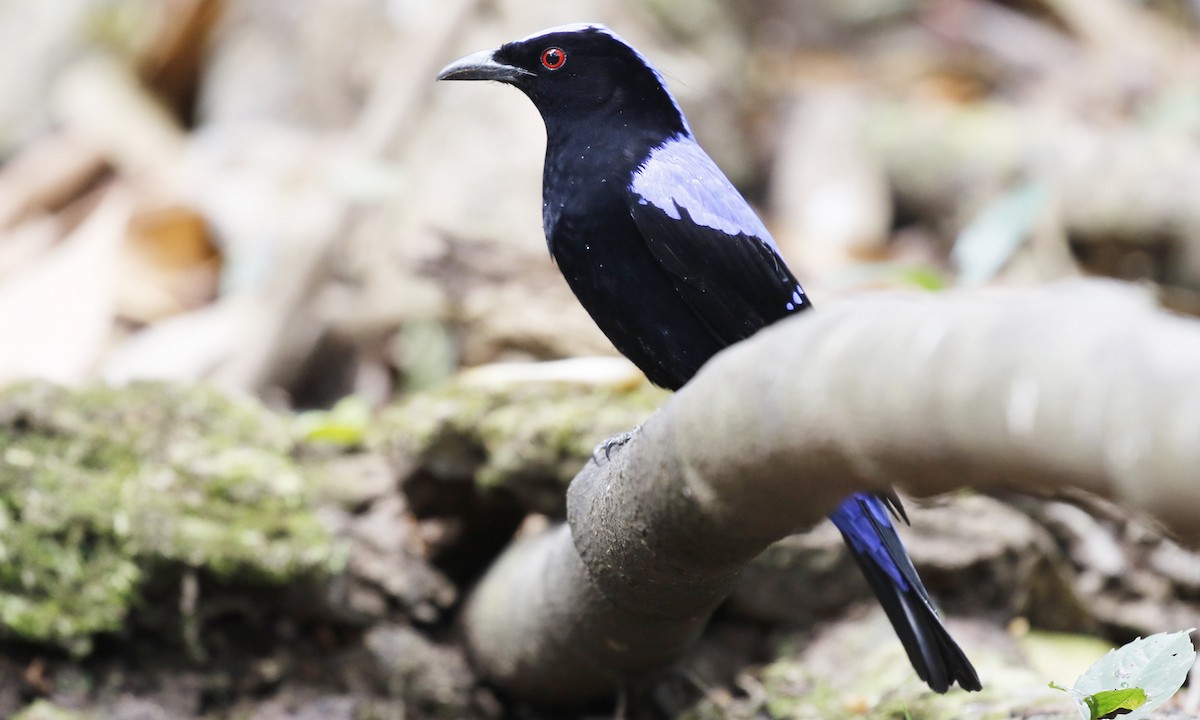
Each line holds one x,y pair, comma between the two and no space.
1113,703
922,278
1132,681
997,233
343,425
870,273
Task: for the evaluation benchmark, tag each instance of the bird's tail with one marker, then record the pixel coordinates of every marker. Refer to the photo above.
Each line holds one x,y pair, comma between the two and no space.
868,531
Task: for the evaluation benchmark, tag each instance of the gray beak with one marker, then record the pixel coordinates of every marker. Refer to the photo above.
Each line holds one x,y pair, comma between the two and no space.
482,66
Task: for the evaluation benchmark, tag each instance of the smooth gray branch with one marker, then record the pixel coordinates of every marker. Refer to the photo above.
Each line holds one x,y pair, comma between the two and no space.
1080,385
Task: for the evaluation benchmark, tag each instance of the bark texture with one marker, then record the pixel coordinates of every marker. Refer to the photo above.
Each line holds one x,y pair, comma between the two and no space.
1080,385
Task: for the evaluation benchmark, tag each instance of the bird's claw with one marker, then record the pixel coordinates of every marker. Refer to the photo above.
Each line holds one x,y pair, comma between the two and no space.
607,446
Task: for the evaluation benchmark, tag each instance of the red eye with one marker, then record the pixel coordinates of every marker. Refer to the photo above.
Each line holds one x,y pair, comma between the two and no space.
553,58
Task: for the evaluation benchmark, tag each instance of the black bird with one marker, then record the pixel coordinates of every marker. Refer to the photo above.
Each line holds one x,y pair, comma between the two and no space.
673,264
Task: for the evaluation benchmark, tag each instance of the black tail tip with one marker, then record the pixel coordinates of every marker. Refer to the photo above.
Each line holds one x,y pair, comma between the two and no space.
965,678
949,664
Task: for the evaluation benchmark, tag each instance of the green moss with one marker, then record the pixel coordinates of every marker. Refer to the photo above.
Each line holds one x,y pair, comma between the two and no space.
857,669
97,485
45,710
530,438
790,691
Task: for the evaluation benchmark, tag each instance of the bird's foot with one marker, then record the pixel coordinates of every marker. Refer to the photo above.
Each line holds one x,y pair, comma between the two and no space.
606,447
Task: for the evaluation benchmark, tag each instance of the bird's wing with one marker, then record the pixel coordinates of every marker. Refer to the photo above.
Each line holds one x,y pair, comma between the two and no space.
717,252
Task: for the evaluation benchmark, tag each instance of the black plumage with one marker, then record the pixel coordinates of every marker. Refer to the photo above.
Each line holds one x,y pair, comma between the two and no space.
673,264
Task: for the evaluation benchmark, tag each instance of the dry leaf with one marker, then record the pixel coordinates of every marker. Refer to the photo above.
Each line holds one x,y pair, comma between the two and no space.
169,265
56,316
45,175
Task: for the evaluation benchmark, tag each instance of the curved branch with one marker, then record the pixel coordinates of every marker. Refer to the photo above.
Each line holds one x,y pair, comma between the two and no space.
1083,385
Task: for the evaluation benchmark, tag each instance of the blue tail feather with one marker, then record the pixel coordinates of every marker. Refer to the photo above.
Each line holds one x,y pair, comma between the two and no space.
875,546
860,519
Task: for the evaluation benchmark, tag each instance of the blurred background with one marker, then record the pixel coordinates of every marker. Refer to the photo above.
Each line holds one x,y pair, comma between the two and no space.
275,198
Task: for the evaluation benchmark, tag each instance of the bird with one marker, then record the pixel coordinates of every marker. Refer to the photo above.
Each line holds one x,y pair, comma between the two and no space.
674,265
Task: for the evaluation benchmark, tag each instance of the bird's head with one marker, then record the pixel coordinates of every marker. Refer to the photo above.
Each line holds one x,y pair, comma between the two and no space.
577,71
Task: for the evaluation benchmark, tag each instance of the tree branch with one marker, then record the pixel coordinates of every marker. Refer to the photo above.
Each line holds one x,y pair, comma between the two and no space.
1080,385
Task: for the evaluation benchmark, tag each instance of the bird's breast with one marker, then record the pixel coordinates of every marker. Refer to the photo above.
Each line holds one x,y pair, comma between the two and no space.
575,197
608,266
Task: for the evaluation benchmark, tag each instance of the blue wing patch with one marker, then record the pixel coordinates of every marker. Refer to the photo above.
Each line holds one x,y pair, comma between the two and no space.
678,175
716,251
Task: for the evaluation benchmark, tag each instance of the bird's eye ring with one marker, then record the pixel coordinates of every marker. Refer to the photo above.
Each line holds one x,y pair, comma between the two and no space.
553,58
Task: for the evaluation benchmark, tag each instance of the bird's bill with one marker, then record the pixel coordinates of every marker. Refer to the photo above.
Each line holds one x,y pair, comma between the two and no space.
482,66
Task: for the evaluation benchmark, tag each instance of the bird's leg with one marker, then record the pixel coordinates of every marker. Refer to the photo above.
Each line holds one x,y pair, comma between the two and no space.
607,446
